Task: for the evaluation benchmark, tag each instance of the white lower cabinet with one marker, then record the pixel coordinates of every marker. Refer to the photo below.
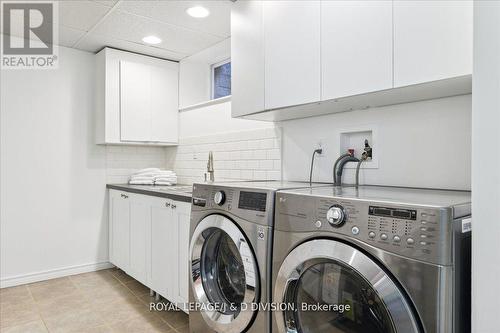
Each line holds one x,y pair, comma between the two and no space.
149,240
119,225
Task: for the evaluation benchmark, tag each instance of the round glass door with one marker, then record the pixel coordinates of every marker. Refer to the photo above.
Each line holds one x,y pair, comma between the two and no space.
324,291
223,274
329,286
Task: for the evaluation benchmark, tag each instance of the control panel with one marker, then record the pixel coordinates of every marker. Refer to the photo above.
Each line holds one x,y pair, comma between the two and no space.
250,204
422,233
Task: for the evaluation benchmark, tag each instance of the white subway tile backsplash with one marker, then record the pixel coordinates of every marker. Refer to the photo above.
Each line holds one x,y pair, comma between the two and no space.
242,155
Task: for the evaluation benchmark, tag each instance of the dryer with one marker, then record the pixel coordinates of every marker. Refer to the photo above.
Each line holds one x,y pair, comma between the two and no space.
230,255
372,259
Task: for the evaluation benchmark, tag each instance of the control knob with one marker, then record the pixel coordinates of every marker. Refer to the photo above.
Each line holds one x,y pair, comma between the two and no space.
220,198
336,215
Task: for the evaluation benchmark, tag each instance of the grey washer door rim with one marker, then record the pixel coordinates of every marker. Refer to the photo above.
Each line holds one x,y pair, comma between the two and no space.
307,254
216,320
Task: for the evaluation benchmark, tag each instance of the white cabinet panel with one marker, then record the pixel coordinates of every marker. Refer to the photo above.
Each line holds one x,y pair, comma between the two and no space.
164,103
162,247
356,47
432,40
119,224
181,215
140,215
135,101
247,58
292,52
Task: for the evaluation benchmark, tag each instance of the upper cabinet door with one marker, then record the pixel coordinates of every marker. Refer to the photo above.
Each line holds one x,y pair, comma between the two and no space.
356,47
432,40
135,101
164,103
247,58
292,52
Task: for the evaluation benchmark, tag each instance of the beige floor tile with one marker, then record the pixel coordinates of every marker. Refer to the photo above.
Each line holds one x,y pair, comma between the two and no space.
78,320
12,295
14,314
107,294
120,310
184,329
143,324
176,319
30,327
98,329
137,288
52,288
93,280
122,276
71,302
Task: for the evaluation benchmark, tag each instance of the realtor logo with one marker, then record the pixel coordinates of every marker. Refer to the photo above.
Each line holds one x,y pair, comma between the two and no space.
29,38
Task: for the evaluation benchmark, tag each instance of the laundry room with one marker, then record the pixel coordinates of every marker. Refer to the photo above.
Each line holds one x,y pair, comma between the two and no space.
249,166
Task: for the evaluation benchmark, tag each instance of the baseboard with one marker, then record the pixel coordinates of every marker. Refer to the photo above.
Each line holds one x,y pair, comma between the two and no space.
52,274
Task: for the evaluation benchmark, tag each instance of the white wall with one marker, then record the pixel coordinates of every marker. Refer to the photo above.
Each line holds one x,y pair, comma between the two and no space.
214,119
52,173
243,149
53,218
424,144
195,73
485,168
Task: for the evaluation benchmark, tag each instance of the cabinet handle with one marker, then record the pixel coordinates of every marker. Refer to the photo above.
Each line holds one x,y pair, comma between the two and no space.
174,206
167,204
124,196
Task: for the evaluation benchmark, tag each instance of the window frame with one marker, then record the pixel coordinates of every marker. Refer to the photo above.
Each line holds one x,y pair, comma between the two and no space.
212,78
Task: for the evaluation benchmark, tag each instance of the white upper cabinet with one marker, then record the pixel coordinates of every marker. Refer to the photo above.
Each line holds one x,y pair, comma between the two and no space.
296,59
292,52
356,47
137,99
432,40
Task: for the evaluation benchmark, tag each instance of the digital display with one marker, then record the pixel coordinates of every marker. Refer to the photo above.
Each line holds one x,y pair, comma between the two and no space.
253,201
407,214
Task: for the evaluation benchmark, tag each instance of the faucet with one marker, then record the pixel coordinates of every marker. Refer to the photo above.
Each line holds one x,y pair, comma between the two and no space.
338,167
210,167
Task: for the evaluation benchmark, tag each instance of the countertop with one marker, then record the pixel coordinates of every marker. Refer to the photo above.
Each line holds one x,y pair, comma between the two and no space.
176,192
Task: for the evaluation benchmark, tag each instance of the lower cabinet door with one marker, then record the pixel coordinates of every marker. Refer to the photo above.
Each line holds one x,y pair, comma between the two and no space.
140,215
181,214
119,223
163,253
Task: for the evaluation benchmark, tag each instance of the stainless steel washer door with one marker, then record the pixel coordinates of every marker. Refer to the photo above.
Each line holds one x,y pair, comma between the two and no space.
224,275
320,277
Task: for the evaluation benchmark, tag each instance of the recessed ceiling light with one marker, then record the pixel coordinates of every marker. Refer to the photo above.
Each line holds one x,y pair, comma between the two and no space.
198,11
151,40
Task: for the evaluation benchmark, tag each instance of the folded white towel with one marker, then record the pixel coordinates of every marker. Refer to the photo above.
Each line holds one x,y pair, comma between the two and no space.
164,183
146,171
165,177
141,182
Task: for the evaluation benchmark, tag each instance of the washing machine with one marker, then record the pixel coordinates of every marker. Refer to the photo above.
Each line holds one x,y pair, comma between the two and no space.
372,259
230,255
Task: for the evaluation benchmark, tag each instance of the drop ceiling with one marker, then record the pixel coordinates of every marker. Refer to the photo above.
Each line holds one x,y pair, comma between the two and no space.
91,25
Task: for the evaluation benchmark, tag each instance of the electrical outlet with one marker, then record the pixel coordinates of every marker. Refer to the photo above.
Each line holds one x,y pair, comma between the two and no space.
321,145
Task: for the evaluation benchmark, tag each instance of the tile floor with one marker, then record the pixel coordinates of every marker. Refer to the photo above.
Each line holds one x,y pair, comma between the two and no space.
96,302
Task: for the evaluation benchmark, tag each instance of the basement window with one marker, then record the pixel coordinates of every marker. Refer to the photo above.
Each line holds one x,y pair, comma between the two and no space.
221,79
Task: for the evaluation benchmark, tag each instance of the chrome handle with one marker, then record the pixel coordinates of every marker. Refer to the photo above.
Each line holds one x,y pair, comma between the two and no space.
289,315
124,196
174,206
167,204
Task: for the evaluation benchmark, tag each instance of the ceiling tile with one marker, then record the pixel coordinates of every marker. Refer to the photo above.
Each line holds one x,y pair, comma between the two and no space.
125,26
94,43
81,15
174,12
68,36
